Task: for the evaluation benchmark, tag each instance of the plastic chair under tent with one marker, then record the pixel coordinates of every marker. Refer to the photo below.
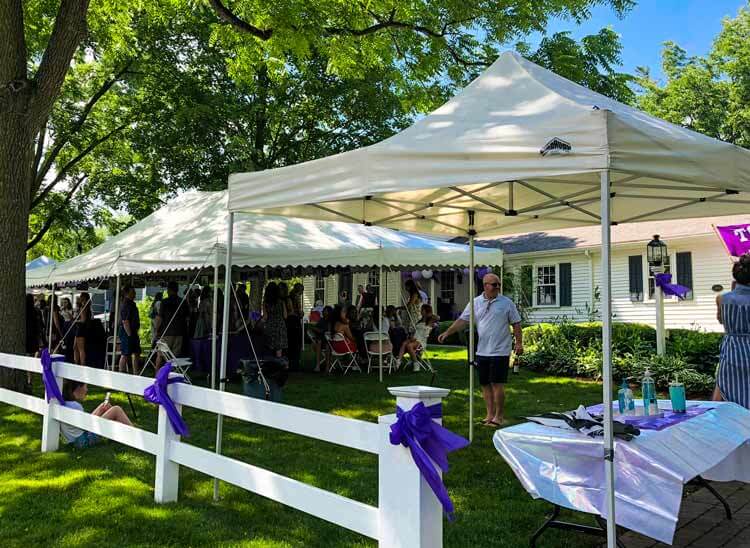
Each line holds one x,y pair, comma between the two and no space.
344,359
373,351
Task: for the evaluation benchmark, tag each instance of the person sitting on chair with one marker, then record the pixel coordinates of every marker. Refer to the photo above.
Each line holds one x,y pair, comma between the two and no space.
74,392
340,323
414,345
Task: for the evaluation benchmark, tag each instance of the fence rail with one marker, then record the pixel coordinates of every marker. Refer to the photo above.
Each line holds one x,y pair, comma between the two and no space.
408,515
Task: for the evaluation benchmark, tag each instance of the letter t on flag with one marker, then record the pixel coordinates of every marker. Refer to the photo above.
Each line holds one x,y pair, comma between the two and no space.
736,238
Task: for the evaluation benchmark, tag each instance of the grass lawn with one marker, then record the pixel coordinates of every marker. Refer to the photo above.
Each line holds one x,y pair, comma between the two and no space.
103,496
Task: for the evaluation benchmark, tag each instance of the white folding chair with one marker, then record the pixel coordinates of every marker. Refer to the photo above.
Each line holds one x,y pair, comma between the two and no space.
345,360
421,334
372,340
179,365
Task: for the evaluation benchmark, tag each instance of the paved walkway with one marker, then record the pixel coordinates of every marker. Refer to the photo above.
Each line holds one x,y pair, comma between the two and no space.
703,523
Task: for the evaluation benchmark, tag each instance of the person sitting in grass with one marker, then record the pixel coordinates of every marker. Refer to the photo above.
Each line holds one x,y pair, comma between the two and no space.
74,393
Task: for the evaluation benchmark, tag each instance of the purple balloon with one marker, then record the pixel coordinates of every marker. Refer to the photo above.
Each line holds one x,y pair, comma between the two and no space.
405,275
416,275
466,271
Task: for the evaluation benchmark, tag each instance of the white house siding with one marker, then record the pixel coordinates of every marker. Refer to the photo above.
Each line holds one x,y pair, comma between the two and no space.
332,289
581,289
711,266
308,300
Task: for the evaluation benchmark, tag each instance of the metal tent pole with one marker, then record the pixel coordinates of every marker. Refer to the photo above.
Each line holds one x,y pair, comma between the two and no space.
472,291
606,284
380,319
51,320
214,320
115,321
224,337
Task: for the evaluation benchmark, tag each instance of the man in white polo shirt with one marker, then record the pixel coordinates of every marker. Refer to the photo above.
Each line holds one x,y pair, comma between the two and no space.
494,315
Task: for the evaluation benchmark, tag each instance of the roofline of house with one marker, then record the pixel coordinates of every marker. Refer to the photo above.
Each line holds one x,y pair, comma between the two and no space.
582,250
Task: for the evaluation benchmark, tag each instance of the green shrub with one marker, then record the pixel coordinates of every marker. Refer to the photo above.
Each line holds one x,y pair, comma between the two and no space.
698,348
144,331
664,369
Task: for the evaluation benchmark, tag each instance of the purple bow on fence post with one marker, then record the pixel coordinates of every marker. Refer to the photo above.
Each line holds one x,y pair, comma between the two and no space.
428,441
51,388
157,393
665,282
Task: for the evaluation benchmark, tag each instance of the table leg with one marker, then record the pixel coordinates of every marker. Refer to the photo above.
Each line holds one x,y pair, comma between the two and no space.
553,523
700,481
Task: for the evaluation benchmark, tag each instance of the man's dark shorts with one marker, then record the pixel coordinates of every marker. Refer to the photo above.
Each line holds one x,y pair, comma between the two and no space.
493,369
129,345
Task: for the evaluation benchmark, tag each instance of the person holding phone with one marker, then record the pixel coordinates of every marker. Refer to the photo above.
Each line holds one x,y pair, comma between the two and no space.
74,393
494,314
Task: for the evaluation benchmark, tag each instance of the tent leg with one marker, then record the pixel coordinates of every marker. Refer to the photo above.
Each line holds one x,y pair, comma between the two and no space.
472,292
115,322
224,337
51,321
606,284
380,321
214,320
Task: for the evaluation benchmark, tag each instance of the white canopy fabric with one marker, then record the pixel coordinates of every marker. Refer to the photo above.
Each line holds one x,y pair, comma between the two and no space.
522,147
188,232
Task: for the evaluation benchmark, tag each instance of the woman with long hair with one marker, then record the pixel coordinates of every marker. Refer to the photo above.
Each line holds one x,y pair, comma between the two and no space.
294,325
733,311
274,319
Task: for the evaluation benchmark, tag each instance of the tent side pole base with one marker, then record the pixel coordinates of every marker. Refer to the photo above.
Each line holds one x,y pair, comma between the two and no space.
606,284
224,337
115,322
214,320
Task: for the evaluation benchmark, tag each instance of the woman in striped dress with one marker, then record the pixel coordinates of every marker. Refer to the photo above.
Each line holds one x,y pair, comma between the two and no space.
734,313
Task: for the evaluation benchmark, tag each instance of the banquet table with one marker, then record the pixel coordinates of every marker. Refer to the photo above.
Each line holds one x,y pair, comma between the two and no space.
566,467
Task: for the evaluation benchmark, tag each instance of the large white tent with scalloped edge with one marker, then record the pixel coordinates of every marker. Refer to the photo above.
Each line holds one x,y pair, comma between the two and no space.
519,149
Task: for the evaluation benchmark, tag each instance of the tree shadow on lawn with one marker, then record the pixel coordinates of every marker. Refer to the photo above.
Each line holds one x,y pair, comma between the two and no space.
105,494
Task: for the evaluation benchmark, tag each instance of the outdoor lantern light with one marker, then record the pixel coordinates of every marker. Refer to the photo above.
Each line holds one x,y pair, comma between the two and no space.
656,252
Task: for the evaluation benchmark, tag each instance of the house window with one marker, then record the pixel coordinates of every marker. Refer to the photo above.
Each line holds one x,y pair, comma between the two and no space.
545,293
447,286
373,280
651,285
320,289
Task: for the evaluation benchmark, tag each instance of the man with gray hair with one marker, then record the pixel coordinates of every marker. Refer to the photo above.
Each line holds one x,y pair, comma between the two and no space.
494,315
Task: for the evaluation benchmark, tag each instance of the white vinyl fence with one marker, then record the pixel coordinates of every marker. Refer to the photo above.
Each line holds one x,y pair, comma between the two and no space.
408,515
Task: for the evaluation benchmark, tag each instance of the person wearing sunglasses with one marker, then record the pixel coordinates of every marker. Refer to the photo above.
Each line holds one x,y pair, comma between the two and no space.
494,315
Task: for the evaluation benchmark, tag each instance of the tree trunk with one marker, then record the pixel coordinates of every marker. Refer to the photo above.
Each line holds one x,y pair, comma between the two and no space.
16,158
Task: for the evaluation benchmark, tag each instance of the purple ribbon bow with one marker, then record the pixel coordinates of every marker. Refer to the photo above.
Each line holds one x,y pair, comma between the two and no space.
51,389
428,441
665,282
157,393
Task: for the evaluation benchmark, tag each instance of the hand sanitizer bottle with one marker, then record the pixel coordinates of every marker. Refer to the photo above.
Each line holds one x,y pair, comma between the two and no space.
648,392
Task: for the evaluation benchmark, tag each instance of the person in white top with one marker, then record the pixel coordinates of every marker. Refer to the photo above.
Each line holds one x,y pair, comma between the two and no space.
494,315
74,393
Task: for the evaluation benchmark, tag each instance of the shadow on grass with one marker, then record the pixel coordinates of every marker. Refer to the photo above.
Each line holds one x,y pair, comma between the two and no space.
104,495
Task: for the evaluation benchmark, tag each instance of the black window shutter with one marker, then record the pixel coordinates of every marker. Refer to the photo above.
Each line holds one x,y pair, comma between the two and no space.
566,284
527,285
635,273
685,270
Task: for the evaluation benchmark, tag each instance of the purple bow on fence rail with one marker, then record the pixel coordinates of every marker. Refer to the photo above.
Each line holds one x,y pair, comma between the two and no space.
51,389
427,440
665,282
157,393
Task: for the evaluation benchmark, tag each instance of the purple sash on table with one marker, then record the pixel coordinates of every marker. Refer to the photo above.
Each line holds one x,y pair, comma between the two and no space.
670,418
428,441
157,393
51,389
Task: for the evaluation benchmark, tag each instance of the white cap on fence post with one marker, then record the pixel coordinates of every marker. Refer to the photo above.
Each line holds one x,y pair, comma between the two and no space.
410,513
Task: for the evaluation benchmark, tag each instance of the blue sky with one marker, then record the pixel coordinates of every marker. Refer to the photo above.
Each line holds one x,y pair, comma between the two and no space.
693,24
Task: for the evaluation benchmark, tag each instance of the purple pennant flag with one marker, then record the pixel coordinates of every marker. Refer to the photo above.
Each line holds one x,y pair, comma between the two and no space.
428,442
157,393
736,238
665,282
51,389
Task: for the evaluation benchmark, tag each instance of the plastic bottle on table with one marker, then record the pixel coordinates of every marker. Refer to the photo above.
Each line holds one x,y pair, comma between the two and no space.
648,392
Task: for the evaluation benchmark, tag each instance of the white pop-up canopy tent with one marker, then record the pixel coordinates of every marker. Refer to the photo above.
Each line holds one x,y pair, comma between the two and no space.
519,149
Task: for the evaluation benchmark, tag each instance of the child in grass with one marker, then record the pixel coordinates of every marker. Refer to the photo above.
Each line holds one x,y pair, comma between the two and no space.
74,393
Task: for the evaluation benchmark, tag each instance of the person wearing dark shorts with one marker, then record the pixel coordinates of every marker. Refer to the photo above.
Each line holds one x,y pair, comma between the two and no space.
494,315
129,324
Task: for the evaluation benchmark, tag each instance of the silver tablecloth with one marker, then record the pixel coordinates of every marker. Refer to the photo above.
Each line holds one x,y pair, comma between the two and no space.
567,467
